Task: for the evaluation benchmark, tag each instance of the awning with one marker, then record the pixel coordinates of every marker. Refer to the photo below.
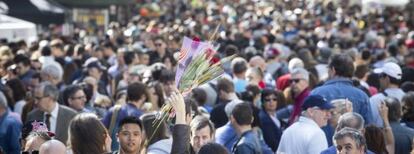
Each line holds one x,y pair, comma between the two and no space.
37,11
94,3
14,29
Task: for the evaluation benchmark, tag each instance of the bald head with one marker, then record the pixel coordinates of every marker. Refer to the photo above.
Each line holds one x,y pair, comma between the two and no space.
258,61
52,147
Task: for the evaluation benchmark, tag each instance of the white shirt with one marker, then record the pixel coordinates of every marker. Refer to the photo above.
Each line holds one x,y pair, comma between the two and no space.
378,98
303,137
53,118
275,120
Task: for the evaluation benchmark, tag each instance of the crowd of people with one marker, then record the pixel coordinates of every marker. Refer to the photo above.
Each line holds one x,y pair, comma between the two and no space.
309,77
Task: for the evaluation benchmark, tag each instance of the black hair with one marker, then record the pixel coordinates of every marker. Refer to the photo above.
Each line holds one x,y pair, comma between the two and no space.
129,57
130,120
251,92
18,88
239,67
171,57
20,58
407,86
343,65
226,85
393,80
69,91
361,70
200,96
215,148
281,100
135,91
243,114
166,76
394,109
46,51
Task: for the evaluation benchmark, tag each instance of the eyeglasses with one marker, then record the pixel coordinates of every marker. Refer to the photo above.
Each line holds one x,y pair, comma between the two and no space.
30,152
383,75
39,97
80,97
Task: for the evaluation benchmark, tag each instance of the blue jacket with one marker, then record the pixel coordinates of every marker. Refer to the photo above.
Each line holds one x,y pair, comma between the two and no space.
10,130
342,88
271,132
227,136
248,143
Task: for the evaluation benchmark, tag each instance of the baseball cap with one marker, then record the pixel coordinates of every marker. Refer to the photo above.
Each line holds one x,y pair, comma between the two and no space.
316,101
391,69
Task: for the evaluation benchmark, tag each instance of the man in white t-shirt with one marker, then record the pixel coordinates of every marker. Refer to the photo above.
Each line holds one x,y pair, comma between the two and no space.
306,135
390,77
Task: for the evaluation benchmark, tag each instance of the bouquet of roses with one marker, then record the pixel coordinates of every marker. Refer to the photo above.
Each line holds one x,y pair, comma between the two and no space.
196,66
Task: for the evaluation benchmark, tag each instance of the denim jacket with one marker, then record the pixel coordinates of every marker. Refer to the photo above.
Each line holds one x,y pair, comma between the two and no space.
342,88
248,143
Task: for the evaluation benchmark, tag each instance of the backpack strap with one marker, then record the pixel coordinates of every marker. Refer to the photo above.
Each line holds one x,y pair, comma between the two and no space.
384,93
114,117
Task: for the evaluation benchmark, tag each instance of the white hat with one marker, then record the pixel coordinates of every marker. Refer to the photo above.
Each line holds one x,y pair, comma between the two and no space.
295,63
391,69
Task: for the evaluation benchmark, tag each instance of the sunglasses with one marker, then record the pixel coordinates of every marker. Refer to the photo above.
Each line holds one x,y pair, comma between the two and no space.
383,75
30,152
268,100
295,80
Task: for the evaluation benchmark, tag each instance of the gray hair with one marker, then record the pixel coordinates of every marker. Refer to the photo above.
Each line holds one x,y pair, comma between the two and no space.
302,72
49,90
3,100
354,134
341,105
352,120
54,71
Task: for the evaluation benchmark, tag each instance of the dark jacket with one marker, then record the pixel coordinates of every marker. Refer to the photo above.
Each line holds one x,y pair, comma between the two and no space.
65,115
181,140
403,137
218,115
248,143
271,132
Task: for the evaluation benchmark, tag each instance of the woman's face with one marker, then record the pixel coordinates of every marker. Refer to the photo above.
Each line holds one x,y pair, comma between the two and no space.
270,103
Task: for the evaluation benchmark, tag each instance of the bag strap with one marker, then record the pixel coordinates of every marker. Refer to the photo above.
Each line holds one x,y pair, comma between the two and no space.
113,118
384,93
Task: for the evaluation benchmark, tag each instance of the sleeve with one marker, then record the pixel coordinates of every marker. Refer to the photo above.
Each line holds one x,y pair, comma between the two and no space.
269,136
318,143
13,132
107,118
366,111
181,139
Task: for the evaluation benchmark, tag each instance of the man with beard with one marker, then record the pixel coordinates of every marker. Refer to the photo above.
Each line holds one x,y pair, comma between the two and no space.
130,136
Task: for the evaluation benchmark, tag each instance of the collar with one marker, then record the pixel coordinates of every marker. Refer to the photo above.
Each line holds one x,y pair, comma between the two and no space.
55,111
339,79
393,89
246,132
308,121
